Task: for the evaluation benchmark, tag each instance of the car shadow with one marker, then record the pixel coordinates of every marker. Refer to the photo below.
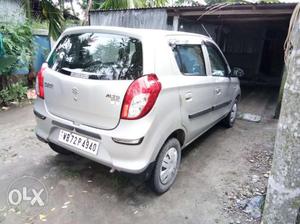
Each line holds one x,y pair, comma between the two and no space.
73,174
197,142
91,177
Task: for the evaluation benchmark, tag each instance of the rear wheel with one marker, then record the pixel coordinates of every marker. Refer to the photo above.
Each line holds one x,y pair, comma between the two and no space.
59,149
166,167
231,117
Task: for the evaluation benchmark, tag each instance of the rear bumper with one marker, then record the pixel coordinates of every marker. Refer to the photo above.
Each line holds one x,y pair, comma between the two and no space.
122,157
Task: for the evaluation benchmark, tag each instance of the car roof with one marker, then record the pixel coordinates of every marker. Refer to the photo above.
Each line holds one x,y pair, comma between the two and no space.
131,31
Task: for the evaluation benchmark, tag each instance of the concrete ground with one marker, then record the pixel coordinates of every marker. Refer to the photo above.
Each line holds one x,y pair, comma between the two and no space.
80,191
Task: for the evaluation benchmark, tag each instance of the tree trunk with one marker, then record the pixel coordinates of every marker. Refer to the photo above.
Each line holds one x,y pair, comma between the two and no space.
62,5
86,14
279,99
27,4
72,7
283,194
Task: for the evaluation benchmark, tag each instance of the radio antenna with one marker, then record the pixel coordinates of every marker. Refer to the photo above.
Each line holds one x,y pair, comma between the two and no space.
206,31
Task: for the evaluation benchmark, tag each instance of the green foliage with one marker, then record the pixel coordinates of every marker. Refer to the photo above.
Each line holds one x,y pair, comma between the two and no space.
49,12
122,4
125,4
14,92
38,23
269,1
96,4
7,63
210,2
18,45
156,3
70,23
54,17
186,2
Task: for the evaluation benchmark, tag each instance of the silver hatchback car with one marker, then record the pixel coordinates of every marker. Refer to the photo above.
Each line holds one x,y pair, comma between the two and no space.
132,99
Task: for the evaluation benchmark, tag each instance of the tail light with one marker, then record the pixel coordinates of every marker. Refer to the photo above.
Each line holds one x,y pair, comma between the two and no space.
140,97
40,81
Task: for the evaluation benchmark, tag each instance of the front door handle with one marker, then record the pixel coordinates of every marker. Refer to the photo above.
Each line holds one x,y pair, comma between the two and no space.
188,96
218,91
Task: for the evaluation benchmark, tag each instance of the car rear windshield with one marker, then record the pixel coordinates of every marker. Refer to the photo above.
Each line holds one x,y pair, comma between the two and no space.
98,56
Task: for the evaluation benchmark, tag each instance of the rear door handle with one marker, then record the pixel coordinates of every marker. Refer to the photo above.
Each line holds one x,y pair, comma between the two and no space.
218,91
188,96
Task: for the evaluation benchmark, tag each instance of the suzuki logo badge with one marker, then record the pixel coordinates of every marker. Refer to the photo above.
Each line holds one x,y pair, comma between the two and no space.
75,92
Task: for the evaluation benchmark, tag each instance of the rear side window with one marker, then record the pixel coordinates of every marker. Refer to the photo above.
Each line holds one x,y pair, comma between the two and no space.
98,56
190,60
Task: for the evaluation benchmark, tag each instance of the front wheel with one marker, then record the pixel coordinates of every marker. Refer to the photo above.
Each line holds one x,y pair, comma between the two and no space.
231,117
166,167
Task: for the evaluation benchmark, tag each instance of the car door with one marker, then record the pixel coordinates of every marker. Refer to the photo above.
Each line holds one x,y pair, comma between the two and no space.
195,91
222,82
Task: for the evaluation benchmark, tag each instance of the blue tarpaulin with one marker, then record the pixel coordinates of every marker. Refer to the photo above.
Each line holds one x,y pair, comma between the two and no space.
2,50
42,48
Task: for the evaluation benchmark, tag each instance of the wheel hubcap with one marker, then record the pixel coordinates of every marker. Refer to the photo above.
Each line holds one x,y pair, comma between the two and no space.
169,166
233,113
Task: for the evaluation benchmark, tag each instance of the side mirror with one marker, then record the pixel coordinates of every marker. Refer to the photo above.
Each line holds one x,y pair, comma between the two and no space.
237,72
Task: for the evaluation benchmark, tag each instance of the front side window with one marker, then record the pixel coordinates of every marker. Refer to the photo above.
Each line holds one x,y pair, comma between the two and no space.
98,56
190,60
218,65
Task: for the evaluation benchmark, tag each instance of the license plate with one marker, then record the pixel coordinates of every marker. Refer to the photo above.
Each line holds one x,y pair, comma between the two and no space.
78,141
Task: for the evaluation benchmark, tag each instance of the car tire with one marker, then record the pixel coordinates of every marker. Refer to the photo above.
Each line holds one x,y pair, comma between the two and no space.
164,175
59,149
229,120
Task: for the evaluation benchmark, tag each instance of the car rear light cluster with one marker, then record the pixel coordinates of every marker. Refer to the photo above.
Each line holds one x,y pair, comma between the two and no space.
40,81
140,97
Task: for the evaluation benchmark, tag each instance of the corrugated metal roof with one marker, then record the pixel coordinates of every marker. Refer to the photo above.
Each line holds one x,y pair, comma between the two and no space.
207,7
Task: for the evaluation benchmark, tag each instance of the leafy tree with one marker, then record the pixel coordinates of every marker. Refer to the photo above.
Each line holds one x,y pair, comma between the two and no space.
72,7
94,5
50,12
122,4
118,4
210,2
18,45
156,3
269,1
54,17
186,2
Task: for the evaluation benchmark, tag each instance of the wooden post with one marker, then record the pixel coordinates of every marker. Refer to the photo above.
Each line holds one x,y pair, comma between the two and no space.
175,23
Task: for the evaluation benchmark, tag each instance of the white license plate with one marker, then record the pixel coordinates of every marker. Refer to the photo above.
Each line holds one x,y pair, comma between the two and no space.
78,141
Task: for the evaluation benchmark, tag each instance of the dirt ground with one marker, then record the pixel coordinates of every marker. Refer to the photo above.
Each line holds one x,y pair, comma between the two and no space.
217,170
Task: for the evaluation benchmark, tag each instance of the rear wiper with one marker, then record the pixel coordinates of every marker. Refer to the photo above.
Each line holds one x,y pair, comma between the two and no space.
64,71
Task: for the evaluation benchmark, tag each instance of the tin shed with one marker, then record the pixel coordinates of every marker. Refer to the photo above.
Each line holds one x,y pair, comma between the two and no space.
251,35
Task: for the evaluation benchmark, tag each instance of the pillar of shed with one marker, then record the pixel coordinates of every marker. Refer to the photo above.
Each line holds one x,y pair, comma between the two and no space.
175,23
